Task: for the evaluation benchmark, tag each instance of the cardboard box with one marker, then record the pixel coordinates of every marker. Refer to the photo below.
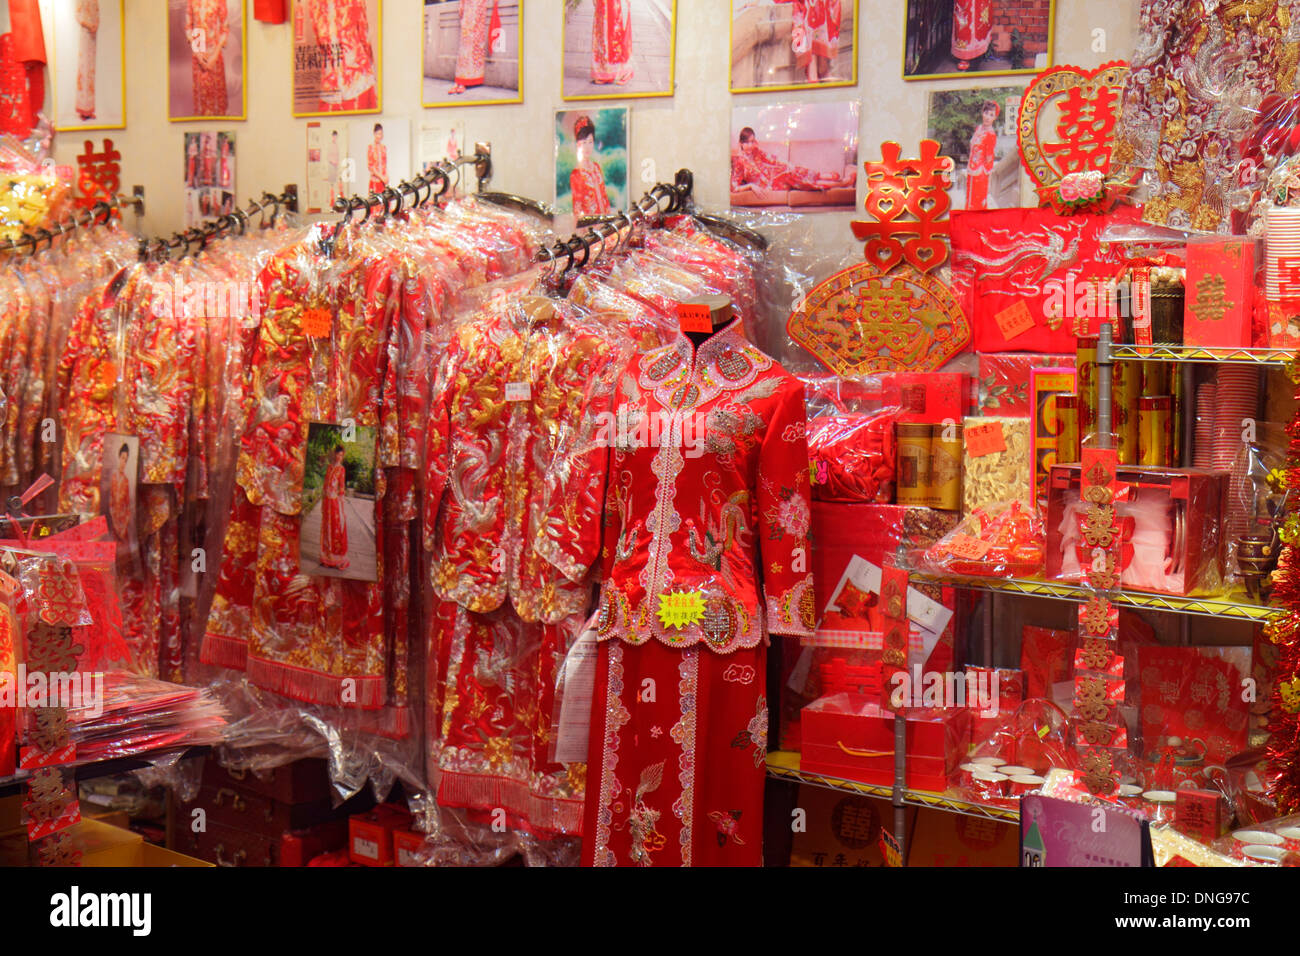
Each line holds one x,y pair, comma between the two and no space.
954,839
103,844
842,829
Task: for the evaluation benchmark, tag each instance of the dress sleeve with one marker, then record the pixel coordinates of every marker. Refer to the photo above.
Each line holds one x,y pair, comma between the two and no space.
785,515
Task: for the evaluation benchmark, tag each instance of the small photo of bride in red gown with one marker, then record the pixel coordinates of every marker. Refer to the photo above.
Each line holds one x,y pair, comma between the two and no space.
118,479
338,532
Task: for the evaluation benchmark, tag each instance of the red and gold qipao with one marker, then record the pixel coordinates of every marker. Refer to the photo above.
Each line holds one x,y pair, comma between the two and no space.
707,498
304,636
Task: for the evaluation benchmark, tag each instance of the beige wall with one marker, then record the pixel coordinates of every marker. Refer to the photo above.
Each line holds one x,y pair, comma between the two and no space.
690,129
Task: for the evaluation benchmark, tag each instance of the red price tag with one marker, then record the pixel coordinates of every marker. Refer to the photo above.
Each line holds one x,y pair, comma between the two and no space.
966,546
1014,320
317,323
694,318
985,439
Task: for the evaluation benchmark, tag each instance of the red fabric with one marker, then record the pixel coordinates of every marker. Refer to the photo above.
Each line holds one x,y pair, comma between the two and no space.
1003,256
587,184
334,523
494,719
611,41
25,25
708,492
677,754
271,11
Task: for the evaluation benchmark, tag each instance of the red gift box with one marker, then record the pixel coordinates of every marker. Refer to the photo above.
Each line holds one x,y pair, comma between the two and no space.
1201,814
370,835
1004,381
1219,301
852,737
1192,502
407,845
927,396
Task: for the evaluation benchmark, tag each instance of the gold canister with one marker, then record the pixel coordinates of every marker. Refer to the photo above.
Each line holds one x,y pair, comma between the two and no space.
1086,363
1155,430
945,467
1155,378
915,443
1067,428
1126,387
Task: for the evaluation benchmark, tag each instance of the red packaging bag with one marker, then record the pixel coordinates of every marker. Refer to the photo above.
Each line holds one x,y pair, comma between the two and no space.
1046,657
1192,714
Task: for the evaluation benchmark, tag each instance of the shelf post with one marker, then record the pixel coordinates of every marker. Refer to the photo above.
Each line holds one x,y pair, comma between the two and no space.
1105,339
900,778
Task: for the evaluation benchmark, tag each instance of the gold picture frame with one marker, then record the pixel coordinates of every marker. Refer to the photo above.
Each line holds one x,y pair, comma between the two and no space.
242,115
457,100
959,74
63,18
780,87
622,92
379,64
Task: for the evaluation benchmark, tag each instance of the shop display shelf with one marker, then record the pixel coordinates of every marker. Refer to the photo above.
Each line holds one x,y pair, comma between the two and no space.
1183,353
1220,606
104,768
784,765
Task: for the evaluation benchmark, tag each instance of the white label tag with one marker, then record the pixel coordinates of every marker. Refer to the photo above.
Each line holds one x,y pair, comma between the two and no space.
518,391
405,857
367,848
575,708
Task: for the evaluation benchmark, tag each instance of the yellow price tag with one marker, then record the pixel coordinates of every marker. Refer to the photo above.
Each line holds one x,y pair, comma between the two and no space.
681,608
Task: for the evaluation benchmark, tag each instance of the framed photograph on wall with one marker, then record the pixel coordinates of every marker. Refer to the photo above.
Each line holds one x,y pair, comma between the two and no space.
977,128
471,53
209,176
331,173
207,59
793,44
380,151
618,48
88,46
950,38
337,59
795,157
591,160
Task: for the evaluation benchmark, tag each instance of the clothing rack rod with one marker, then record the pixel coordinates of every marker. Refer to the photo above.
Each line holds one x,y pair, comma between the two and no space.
288,198
98,214
438,174
677,195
